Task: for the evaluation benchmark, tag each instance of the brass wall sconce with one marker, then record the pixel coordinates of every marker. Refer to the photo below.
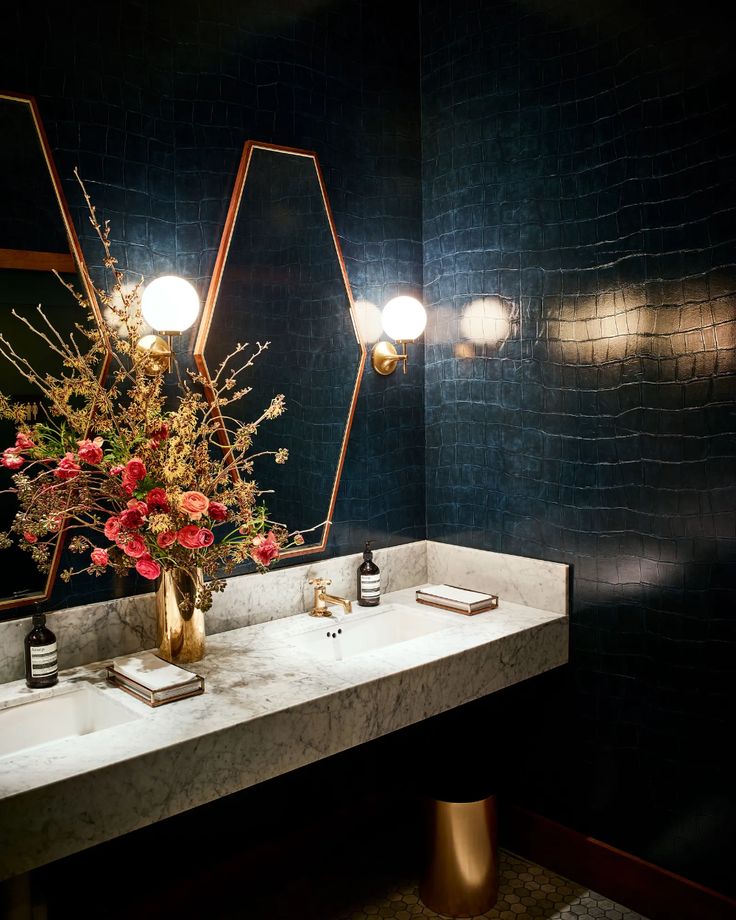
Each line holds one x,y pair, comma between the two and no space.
170,305
404,319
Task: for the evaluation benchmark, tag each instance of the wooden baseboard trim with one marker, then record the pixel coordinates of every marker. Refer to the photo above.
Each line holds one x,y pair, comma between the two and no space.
640,885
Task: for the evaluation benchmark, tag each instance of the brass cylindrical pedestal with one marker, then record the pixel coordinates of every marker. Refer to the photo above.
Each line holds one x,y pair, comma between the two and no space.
461,876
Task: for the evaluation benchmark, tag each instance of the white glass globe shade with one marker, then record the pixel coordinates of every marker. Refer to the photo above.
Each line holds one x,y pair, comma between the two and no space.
404,318
170,304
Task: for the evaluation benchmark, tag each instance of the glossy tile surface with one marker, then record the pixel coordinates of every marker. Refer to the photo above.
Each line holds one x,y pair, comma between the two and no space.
580,277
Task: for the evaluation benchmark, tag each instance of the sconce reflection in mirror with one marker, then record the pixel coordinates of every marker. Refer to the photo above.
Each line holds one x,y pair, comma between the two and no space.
170,305
280,278
404,319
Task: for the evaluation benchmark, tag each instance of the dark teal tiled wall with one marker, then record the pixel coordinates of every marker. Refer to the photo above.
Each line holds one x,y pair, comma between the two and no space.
153,102
578,165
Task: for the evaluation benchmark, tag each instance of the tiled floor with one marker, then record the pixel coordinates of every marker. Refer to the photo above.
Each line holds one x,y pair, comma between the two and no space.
526,890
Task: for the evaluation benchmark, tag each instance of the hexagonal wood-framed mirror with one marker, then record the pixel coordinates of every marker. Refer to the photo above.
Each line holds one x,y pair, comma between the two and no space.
280,278
37,237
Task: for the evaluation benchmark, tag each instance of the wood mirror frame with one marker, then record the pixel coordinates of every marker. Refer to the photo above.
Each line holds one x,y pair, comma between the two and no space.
71,262
210,312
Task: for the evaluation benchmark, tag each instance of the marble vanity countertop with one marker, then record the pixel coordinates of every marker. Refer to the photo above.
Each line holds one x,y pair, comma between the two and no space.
268,708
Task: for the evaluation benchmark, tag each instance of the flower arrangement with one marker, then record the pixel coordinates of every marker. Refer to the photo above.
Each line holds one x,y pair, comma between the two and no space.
137,484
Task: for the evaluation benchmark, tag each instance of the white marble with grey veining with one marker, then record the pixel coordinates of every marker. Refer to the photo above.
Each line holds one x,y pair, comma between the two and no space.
531,582
268,708
124,625
86,633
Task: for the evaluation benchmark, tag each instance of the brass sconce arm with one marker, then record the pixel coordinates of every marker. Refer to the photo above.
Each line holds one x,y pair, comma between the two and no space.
385,358
159,353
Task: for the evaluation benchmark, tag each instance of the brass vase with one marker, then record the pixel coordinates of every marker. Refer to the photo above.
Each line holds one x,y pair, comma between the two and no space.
180,634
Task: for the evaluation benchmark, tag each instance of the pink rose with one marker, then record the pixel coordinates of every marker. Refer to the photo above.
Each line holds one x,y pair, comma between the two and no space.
194,503
135,469
117,470
23,442
100,557
217,511
157,500
129,484
30,537
12,459
134,546
147,567
90,451
112,528
68,467
265,549
193,537
166,539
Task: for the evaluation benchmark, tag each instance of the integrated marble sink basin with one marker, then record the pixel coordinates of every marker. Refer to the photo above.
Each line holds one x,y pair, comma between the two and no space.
357,633
80,710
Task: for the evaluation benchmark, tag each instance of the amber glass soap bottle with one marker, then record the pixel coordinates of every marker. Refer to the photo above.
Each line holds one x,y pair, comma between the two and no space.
369,580
42,669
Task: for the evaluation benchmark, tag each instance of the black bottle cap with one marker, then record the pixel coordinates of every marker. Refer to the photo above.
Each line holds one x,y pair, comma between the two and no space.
368,552
39,618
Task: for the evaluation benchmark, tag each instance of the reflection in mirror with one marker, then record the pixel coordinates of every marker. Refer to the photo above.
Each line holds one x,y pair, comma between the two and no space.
36,238
280,278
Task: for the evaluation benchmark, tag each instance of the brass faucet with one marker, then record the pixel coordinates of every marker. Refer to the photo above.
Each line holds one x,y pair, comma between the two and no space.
322,599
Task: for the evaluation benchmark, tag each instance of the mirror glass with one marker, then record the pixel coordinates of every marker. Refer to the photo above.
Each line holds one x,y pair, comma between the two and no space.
280,278
36,238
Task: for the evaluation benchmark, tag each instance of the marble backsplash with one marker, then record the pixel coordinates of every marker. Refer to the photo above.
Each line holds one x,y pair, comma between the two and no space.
93,632
103,630
531,582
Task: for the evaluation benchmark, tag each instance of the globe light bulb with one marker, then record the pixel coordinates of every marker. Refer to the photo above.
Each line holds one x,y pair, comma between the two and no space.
404,319
170,304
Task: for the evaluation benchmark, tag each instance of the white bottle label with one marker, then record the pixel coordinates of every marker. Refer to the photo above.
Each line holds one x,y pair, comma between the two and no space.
370,586
44,660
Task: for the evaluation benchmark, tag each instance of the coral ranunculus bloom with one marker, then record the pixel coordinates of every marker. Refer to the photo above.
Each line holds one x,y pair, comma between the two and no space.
166,539
157,501
134,546
217,511
135,469
265,549
131,519
148,568
12,459
68,467
100,557
23,442
112,528
194,504
193,537
90,451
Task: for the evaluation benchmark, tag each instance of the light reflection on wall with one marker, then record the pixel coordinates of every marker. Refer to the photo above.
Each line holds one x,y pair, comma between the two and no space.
641,322
484,322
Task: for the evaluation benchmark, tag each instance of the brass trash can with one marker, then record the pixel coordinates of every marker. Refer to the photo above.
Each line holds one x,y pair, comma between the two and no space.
461,873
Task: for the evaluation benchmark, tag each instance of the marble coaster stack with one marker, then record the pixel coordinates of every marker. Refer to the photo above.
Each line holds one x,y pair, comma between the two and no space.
152,680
